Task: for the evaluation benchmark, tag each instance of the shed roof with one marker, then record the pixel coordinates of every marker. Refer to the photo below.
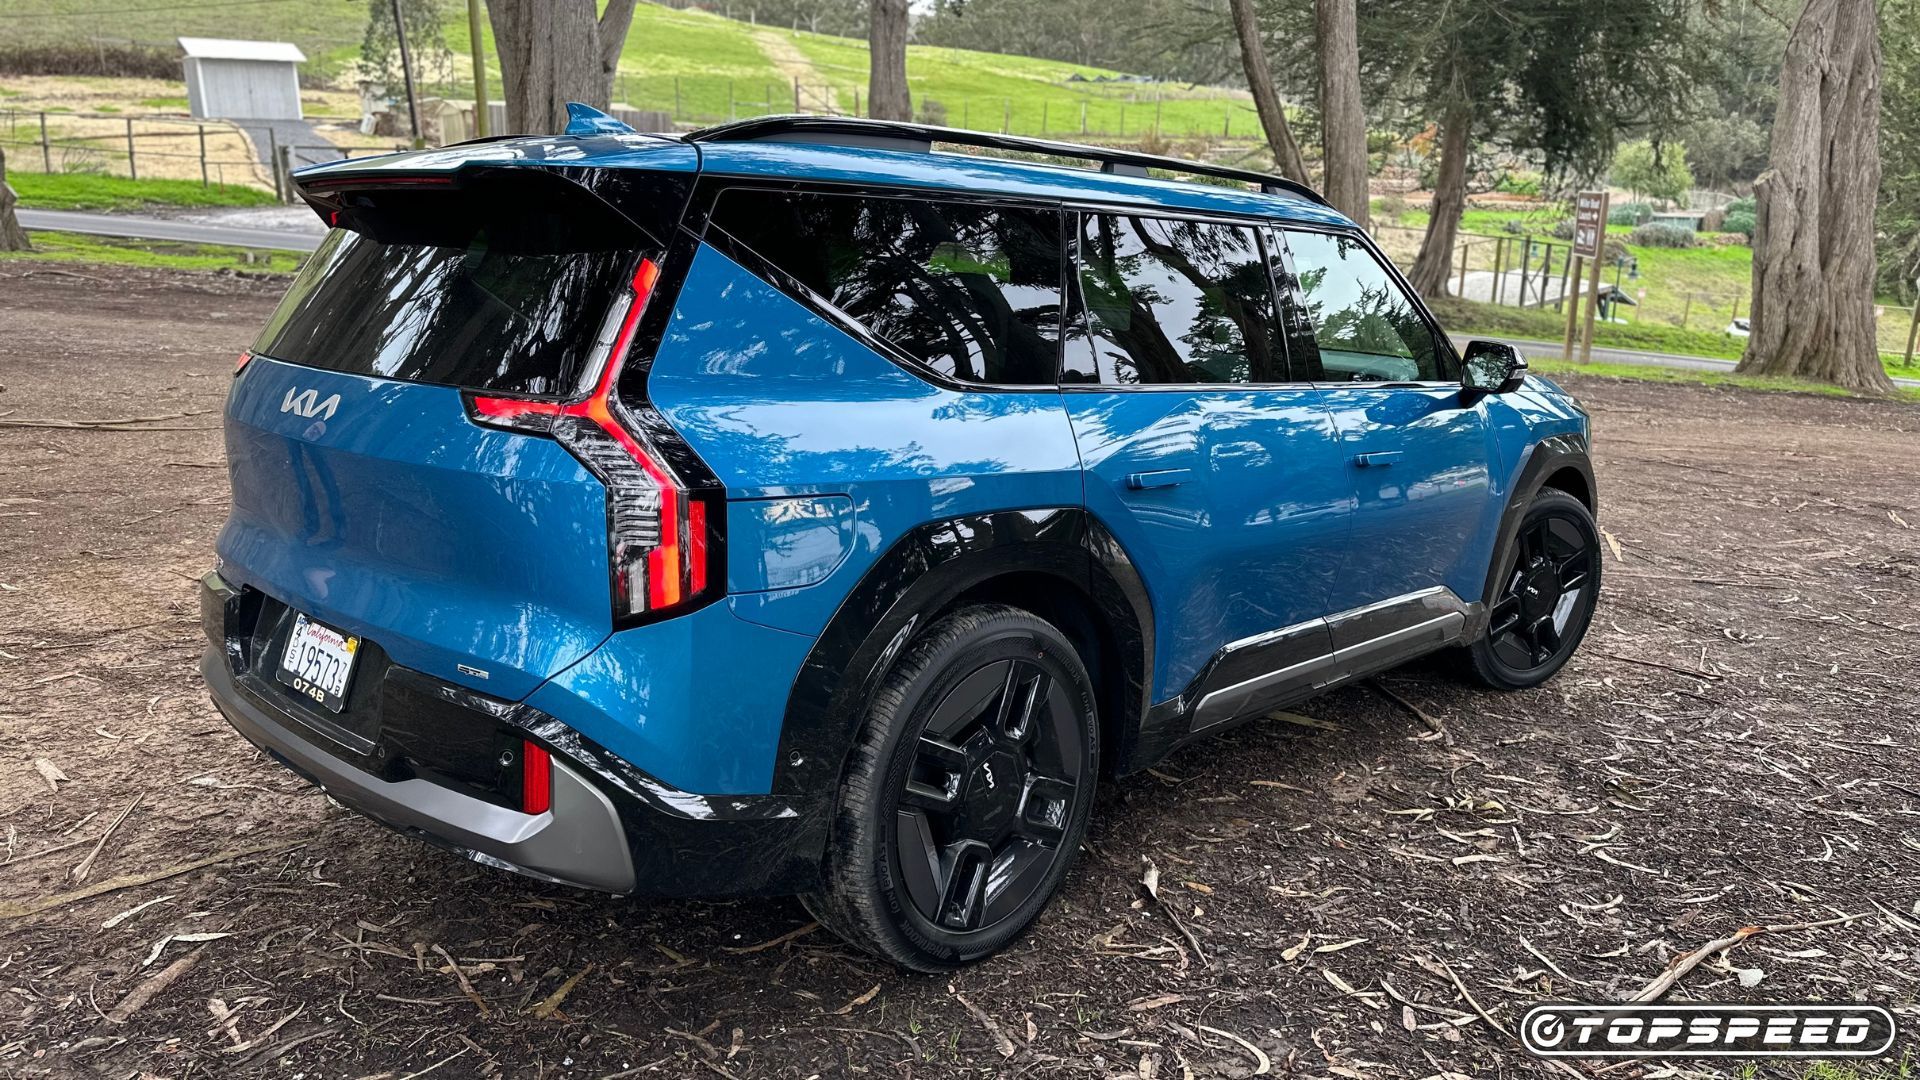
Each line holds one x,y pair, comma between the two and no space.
229,49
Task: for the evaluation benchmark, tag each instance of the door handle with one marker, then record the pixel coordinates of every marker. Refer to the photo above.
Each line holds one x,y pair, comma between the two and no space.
1162,478
1380,458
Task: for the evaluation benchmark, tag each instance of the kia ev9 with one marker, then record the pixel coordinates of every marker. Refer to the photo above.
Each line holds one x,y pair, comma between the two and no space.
825,507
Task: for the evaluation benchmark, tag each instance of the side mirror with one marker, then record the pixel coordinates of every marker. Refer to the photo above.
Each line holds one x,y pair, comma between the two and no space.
1493,367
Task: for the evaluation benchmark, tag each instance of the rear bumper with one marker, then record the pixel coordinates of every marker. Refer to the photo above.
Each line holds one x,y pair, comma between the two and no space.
580,841
611,827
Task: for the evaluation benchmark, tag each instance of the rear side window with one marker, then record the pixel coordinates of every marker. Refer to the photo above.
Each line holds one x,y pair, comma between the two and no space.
971,291
1172,301
1366,326
497,285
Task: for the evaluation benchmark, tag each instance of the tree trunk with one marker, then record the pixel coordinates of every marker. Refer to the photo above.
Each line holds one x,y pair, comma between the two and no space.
553,52
1813,260
1434,265
1266,100
887,97
12,236
1343,122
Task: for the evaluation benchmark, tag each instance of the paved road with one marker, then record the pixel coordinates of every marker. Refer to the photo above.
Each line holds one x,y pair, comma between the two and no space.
1551,350
162,229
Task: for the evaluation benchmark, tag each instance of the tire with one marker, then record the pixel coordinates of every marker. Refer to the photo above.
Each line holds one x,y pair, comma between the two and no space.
980,749
1556,563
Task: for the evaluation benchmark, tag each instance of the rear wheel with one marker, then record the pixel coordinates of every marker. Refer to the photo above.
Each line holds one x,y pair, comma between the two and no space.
1546,599
967,794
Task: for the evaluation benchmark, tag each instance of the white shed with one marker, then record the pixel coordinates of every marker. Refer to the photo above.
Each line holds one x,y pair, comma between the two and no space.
242,80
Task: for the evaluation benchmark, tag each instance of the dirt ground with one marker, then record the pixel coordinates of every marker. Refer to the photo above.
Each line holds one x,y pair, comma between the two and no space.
1734,745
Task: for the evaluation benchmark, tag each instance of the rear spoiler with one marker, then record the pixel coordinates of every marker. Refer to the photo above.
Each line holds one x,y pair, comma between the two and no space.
529,209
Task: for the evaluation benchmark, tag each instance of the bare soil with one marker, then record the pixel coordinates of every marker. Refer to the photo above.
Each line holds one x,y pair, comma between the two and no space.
1734,745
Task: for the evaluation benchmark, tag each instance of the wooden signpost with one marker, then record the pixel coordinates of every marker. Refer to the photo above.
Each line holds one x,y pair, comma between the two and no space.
1589,245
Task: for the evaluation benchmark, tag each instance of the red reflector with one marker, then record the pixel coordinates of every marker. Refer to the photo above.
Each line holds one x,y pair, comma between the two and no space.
242,362
501,408
536,779
697,546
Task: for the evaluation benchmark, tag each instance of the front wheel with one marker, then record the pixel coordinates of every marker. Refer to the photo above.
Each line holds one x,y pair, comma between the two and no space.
967,794
1546,599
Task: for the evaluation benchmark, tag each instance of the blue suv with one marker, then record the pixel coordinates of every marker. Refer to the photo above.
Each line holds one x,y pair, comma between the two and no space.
824,506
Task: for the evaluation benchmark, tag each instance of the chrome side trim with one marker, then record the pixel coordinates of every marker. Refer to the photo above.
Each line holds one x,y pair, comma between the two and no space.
1443,619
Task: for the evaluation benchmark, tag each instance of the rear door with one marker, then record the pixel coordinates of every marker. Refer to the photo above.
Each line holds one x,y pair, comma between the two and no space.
1215,470
1417,458
364,496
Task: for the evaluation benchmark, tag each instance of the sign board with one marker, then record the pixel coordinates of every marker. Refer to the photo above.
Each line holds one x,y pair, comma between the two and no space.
1589,223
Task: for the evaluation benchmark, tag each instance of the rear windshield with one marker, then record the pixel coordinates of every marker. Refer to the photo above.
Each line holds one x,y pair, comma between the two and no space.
443,287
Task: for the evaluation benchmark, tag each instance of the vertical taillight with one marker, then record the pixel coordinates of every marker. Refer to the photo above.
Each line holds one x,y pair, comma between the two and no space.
657,530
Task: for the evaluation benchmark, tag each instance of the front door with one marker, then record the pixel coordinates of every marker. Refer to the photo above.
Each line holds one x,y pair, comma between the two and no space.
1418,458
1217,472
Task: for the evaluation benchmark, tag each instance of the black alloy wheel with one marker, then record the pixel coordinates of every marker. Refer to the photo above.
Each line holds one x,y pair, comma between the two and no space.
1545,602
968,795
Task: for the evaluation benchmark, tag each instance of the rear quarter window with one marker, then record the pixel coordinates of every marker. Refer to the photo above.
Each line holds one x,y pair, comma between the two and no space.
970,291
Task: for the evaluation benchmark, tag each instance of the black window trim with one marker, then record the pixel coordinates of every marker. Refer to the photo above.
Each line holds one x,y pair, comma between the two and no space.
1441,340
1260,227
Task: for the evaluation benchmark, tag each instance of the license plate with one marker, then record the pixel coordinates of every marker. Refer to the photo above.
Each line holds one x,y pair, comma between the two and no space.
318,662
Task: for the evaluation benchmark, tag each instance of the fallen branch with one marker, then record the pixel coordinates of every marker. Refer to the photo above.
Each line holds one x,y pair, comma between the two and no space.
466,987
118,422
790,935
1495,1024
1685,962
1694,672
1433,722
85,866
21,909
1007,1049
137,998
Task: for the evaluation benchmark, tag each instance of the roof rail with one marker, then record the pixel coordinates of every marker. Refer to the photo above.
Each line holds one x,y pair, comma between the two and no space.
898,135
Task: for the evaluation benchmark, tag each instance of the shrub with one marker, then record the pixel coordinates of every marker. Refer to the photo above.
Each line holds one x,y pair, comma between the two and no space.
1748,205
120,61
932,112
1663,235
1739,221
1630,213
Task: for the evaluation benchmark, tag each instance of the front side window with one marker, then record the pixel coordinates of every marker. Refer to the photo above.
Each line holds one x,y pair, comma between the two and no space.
972,292
1367,328
1170,301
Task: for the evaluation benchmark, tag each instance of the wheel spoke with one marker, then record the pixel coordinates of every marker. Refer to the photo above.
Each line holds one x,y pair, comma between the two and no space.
963,895
1017,871
969,701
934,781
1571,573
1026,700
1044,809
1505,614
919,858
1544,638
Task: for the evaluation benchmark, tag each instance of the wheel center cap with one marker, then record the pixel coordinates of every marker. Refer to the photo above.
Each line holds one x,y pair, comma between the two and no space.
1538,592
993,790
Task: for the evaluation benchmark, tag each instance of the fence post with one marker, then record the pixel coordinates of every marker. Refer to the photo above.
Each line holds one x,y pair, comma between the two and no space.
856,102
796,93
1686,310
1123,119
1083,116
133,169
1006,116
46,148
1158,102
1462,290
1566,276
731,114
1043,116
273,164
203,155
1226,129
1499,267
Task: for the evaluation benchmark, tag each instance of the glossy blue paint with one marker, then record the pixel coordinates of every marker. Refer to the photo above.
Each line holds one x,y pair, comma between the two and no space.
1429,517
695,701
393,517
781,403
603,150
787,543
1252,543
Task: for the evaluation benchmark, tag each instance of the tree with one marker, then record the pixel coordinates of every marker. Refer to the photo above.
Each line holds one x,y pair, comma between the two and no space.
380,65
1658,172
1266,100
1555,81
1813,258
887,96
1899,248
12,236
1343,122
553,52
